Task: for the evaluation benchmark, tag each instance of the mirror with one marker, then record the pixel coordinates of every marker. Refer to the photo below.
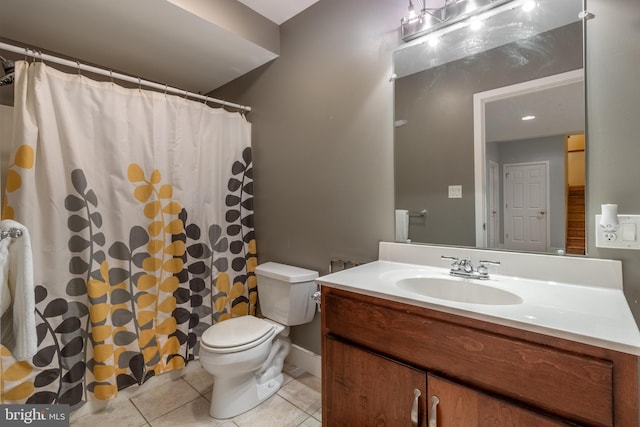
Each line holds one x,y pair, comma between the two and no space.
471,169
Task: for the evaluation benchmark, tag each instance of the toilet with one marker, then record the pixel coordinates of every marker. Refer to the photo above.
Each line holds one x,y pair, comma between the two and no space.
245,354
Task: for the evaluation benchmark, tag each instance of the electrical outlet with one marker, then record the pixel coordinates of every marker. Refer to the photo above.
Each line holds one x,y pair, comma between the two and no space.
625,237
455,191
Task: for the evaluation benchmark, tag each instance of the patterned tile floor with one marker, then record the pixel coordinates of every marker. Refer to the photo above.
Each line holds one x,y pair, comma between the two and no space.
185,402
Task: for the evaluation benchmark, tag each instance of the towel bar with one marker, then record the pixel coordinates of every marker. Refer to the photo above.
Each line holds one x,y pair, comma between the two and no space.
422,212
12,232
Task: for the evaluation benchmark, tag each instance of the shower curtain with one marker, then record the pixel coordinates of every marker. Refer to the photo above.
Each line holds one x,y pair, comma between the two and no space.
140,210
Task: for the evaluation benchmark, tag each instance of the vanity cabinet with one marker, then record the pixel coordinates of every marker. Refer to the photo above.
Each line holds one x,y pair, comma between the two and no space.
376,352
366,389
452,404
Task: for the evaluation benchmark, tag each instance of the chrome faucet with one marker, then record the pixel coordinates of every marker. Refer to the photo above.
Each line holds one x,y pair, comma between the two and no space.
464,268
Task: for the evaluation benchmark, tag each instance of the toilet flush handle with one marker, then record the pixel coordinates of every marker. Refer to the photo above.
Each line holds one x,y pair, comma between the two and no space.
316,297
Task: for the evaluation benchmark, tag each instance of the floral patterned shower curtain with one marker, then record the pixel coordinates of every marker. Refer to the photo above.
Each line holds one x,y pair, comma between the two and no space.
140,210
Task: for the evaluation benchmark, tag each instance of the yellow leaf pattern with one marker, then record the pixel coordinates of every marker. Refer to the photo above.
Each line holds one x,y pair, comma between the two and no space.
135,173
24,158
14,181
170,284
137,314
18,393
165,261
17,371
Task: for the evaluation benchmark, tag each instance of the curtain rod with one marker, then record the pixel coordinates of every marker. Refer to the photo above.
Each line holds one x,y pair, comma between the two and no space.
83,67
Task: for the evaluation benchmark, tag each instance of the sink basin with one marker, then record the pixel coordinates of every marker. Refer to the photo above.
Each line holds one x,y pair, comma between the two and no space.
458,290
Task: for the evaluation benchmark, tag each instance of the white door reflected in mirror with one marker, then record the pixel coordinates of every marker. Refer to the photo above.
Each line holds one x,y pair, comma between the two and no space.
525,203
508,213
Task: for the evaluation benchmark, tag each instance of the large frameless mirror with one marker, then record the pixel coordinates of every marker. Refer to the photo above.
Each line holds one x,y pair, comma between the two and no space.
489,129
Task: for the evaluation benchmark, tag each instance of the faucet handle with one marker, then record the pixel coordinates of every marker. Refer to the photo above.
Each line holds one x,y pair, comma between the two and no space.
455,265
483,269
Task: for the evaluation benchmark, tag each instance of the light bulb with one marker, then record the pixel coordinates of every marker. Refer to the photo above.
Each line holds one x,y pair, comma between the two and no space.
433,41
471,6
474,23
528,6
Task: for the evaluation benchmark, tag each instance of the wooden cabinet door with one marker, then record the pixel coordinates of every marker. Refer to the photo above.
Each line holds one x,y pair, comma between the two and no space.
365,389
460,406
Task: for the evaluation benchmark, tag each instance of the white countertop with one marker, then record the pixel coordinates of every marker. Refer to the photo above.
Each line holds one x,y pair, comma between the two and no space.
590,314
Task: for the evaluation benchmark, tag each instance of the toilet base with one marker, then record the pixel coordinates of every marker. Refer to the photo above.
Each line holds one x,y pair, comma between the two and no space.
234,395
238,395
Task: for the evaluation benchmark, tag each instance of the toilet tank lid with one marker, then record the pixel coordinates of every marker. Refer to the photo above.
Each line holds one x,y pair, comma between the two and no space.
286,273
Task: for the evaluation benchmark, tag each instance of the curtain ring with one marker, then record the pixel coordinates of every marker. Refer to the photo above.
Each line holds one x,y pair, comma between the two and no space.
41,58
26,54
206,98
186,93
166,87
111,75
78,64
139,84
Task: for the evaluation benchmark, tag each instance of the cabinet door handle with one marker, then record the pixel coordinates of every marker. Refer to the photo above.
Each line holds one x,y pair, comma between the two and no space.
433,414
415,409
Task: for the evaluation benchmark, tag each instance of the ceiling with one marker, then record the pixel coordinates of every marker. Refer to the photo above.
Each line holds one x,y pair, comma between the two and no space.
195,45
558,111
278,11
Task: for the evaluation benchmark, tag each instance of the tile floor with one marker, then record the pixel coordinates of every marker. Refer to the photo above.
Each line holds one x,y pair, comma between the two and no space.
185,402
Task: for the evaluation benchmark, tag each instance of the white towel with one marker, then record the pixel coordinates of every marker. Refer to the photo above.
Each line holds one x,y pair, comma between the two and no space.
402,225
17,298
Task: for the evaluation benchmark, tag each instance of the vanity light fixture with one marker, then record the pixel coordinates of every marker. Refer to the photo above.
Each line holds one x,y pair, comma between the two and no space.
445,16
527,118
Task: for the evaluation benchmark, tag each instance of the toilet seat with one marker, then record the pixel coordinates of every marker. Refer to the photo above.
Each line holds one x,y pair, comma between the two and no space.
237,334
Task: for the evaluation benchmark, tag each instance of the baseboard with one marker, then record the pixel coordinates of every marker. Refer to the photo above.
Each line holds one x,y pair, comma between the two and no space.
305,359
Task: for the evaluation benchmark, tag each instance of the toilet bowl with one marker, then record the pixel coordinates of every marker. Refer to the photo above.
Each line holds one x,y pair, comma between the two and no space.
246,354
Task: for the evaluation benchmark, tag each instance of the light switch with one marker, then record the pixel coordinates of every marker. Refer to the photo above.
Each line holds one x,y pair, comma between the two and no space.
629,232
455,191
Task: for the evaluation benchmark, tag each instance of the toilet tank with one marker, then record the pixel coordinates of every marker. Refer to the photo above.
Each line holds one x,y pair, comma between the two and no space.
285,293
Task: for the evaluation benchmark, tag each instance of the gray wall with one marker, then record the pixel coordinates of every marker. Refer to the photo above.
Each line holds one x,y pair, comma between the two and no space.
435,148
613,146
322,134
322,138
238,19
